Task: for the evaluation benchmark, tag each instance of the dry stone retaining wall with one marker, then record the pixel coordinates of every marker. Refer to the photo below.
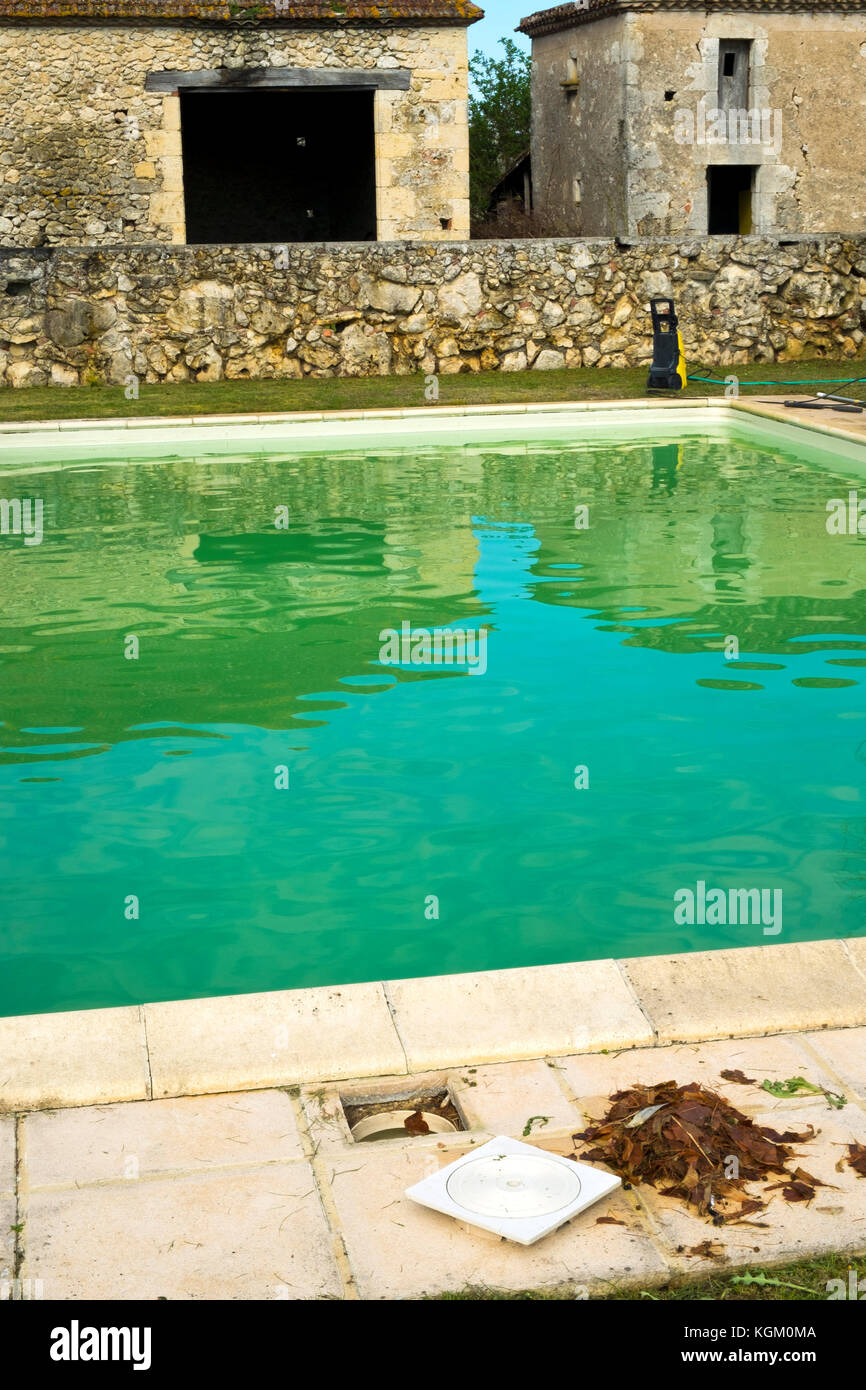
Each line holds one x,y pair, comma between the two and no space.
72,316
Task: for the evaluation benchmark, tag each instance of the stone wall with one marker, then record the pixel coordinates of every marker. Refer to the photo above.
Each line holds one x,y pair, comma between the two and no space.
92,315
87,154
579,148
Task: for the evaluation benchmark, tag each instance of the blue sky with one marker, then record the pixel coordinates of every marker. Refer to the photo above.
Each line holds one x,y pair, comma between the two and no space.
501,19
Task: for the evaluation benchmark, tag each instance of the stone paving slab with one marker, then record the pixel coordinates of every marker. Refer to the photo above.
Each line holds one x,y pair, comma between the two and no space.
837,427
248,1041
254,1233
491,1016
7,1246
399,1250
497,1099
593,1079
515,1098
7,1156
324,1117
845,1052
106,1143
219,1202
753,990
7,1201
835,1221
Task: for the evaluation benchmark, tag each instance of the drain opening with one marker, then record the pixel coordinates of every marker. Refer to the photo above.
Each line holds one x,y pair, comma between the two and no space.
402,1116
396,1124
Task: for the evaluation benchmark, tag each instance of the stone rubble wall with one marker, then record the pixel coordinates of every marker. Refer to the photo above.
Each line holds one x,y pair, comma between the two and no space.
88,315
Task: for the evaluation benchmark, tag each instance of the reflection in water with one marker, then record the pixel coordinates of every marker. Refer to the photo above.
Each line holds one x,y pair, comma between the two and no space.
259,651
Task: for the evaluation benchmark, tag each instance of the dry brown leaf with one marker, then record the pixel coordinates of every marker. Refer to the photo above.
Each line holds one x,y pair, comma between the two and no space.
707,1250
790,1136
416,1124
856,1159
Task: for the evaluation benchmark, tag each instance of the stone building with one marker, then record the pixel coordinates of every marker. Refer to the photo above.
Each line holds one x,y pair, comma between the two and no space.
208,121
672,117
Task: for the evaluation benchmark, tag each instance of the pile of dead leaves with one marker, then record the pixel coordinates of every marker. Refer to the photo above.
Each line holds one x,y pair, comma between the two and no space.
689,1143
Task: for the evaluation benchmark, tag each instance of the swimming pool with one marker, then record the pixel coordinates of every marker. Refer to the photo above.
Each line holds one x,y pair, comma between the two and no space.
225,769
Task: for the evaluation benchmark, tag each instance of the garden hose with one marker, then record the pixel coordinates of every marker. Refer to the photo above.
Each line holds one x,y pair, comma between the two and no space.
835,381
821,400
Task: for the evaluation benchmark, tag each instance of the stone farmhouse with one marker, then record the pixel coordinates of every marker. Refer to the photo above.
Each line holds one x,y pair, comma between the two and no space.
671,117
206,121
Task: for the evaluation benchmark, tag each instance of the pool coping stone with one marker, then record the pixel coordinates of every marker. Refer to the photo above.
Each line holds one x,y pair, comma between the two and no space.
125,422
770,408
390,1028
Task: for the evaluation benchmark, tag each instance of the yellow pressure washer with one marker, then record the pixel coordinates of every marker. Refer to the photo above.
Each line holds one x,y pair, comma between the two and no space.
668,370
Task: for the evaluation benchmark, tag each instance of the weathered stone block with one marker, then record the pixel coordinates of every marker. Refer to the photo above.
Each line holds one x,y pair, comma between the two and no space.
461,300
387,296
549,361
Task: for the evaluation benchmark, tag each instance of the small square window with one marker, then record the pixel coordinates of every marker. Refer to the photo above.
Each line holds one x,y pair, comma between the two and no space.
730,63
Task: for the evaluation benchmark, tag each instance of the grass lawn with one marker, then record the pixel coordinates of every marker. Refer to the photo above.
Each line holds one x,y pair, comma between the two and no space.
392,392
804,1280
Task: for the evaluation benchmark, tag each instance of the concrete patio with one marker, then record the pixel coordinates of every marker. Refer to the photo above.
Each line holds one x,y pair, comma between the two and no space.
263,1194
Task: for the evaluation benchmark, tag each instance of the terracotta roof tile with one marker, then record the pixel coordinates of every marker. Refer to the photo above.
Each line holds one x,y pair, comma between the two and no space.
235,11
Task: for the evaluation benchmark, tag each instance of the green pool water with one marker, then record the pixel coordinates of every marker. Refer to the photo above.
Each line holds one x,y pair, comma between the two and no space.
431,822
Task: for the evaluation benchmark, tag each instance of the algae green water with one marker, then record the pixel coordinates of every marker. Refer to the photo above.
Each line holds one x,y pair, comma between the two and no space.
255,802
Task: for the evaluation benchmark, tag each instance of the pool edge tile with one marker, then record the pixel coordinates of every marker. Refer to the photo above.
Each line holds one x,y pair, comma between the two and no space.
89,1057
749,991
855,949
521,409
333,1033
502,1015
283,1038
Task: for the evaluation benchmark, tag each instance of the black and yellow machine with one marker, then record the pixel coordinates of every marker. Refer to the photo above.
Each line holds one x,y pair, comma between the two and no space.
668,370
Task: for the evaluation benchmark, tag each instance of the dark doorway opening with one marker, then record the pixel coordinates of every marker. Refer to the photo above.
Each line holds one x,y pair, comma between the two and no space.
729,199
278,166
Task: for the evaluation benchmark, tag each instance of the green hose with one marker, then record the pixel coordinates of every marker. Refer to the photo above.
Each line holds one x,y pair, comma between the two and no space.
836,381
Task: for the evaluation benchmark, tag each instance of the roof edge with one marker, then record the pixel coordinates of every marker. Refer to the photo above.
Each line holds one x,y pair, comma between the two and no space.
292,13
577,12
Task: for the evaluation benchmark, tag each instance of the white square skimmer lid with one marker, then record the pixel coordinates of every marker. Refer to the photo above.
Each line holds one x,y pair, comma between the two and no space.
513,1189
